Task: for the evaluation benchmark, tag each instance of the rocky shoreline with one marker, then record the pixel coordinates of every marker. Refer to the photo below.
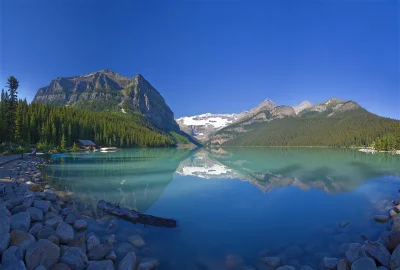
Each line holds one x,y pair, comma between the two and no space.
41,228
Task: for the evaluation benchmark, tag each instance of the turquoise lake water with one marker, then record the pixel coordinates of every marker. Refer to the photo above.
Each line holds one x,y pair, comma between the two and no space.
235,204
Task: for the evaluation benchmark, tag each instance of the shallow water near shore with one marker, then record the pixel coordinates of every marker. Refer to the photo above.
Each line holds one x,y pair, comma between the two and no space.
234,205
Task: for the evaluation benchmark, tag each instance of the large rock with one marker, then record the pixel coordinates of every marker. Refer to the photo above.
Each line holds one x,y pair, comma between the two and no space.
109,239
101,265
18,209
50,215
129,262
364,263
65,233
18,265
381,218
395,258
42,205
273,262
4,241
98,252
329,263
285,267
21,239
5,219
79,241
72,217
35,229
149,264
60,266
343,265
21,221
75,258
12,255
378,252
46,232
354,252
27,202
306,267
111,256
15,201
92,241
136,241
43,252
36,213
80,225
54,221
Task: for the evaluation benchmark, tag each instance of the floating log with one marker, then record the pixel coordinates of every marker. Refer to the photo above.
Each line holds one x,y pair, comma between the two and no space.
134,216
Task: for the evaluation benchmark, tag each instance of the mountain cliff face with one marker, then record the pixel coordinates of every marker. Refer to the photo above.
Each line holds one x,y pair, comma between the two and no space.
106,90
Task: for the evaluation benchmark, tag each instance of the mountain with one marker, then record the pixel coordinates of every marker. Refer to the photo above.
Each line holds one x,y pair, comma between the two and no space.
302,106
201,126
334,122
106,90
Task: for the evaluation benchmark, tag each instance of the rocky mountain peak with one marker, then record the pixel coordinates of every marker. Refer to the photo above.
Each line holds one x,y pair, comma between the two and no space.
302,106
107,90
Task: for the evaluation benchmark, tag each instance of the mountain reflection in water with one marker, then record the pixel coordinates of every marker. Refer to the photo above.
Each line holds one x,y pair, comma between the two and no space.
236,201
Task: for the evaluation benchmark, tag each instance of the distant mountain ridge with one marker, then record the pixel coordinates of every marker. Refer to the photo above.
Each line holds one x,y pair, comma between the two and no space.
106,90
334,122
204,125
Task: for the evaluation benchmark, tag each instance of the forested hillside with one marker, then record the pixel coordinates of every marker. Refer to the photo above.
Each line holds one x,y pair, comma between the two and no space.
60,126
353,128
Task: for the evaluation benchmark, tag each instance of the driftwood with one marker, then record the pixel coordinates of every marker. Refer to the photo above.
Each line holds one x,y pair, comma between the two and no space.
134,216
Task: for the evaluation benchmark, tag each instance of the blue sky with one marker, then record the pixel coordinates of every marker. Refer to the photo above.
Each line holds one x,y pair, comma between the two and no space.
212,56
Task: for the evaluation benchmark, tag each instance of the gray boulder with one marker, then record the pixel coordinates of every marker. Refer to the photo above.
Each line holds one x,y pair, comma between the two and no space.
72,217
18,209
273,262
21,221
54,221
75,258
354,252
4,220
395,258
98,252
151,264
42,205
61,266
129,262
111,256
65,233
101,265
79,241
36,213
12,255
378,252
92,241
18,265
136,241
364,263
50,215
4,241
27,202
80,225
285,267
329,263
35,229
46,232
43,252
21,239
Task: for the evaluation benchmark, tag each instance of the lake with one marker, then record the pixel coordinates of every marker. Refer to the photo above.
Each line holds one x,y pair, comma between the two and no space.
236,204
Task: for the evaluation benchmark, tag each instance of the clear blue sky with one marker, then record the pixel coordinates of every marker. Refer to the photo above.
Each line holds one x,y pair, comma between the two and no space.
212,56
